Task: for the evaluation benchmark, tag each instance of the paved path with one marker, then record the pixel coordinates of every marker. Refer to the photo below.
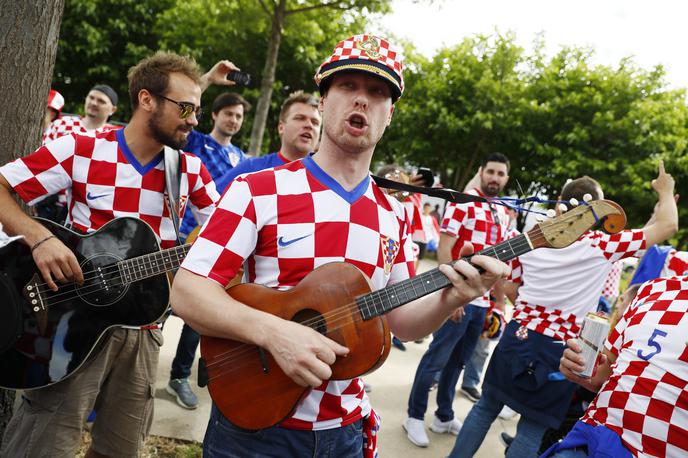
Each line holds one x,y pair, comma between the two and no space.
391,385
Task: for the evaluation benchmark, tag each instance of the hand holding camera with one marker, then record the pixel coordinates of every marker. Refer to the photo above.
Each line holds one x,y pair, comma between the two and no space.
239,77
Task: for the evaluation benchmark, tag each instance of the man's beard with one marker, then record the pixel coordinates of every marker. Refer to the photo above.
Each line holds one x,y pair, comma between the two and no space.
164,137
488,191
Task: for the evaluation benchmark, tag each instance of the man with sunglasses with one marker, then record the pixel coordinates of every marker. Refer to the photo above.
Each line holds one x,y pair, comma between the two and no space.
114,174
219,156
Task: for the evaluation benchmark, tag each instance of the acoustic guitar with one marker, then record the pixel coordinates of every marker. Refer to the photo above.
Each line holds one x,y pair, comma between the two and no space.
45,335
336,299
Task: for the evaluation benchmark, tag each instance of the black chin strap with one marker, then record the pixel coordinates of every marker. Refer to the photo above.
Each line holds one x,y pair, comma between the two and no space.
442,193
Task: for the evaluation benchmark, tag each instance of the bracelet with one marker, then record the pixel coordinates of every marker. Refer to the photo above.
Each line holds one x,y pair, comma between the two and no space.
35,245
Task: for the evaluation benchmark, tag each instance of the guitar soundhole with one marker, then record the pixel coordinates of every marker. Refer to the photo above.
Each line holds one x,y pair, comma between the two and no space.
312,319
103,284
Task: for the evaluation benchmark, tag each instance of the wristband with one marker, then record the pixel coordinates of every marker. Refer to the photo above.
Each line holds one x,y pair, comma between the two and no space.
35,245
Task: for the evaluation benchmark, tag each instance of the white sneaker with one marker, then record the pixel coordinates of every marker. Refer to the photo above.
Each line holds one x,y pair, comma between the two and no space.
452,426
507,413
415,431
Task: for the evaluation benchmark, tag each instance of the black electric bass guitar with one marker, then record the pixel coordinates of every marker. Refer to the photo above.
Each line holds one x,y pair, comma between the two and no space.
46,335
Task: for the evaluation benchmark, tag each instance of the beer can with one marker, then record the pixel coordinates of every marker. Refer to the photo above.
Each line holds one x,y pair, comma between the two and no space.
592,336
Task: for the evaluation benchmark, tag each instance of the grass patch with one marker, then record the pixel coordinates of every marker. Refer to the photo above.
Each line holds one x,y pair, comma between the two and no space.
156,447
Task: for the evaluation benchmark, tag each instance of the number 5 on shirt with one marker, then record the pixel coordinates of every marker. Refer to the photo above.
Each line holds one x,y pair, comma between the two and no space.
651,342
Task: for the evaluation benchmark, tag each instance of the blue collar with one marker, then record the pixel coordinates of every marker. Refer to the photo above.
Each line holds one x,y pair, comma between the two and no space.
350,196
142,169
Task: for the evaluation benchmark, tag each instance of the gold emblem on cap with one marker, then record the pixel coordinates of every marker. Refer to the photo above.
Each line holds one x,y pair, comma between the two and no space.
370,46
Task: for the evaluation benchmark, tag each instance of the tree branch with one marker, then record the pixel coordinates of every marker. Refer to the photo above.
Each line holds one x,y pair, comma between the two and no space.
315,7
265,7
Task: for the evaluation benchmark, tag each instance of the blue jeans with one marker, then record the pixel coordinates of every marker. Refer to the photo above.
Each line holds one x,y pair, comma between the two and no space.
476,425
446,354
186,352
474,366
224,440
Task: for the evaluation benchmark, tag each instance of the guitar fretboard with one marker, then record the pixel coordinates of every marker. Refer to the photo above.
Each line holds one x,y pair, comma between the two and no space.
152,264
383,300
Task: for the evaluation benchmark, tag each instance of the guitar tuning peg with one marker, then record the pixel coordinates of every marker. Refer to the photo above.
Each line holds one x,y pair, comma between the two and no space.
587,197
573,202
539,217
551,213
563,208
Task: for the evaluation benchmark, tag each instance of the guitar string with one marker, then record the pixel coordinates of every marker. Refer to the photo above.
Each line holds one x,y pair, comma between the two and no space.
407,287
115,266
107,270
66,295
68,291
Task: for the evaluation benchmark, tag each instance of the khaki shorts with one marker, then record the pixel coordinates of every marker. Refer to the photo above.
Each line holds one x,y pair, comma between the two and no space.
119,383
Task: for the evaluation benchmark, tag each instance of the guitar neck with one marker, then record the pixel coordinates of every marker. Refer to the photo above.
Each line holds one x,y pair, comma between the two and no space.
152,264
383,300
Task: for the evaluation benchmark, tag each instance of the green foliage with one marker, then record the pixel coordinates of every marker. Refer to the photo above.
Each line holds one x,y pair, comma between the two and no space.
555,118
99,41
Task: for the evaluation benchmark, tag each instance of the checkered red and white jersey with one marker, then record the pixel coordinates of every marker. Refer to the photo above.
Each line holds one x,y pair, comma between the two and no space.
107,182
610,290
645,400
676,264
66,125
475,222
559,286
281,224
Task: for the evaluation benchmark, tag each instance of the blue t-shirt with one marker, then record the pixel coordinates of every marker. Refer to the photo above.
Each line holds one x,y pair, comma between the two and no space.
253,164
217,159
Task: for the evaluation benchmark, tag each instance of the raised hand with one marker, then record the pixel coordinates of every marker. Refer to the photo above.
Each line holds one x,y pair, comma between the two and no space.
664,183
218,75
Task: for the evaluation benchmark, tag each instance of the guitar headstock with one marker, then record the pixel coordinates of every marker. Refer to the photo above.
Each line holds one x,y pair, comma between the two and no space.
565,229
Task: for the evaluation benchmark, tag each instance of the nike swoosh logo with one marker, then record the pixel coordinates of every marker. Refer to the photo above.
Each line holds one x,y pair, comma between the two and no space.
284,243
90,196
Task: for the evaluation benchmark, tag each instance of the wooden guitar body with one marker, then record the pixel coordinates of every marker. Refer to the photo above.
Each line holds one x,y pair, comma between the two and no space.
236,372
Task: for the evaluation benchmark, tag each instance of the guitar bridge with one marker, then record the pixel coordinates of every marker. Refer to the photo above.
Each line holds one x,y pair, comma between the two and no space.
33,294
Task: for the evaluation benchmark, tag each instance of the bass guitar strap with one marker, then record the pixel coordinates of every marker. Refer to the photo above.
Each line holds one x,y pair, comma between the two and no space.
173,176
443,193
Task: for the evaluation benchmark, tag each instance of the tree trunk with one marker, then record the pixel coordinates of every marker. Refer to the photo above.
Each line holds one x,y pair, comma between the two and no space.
28,44
467,172
268,80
